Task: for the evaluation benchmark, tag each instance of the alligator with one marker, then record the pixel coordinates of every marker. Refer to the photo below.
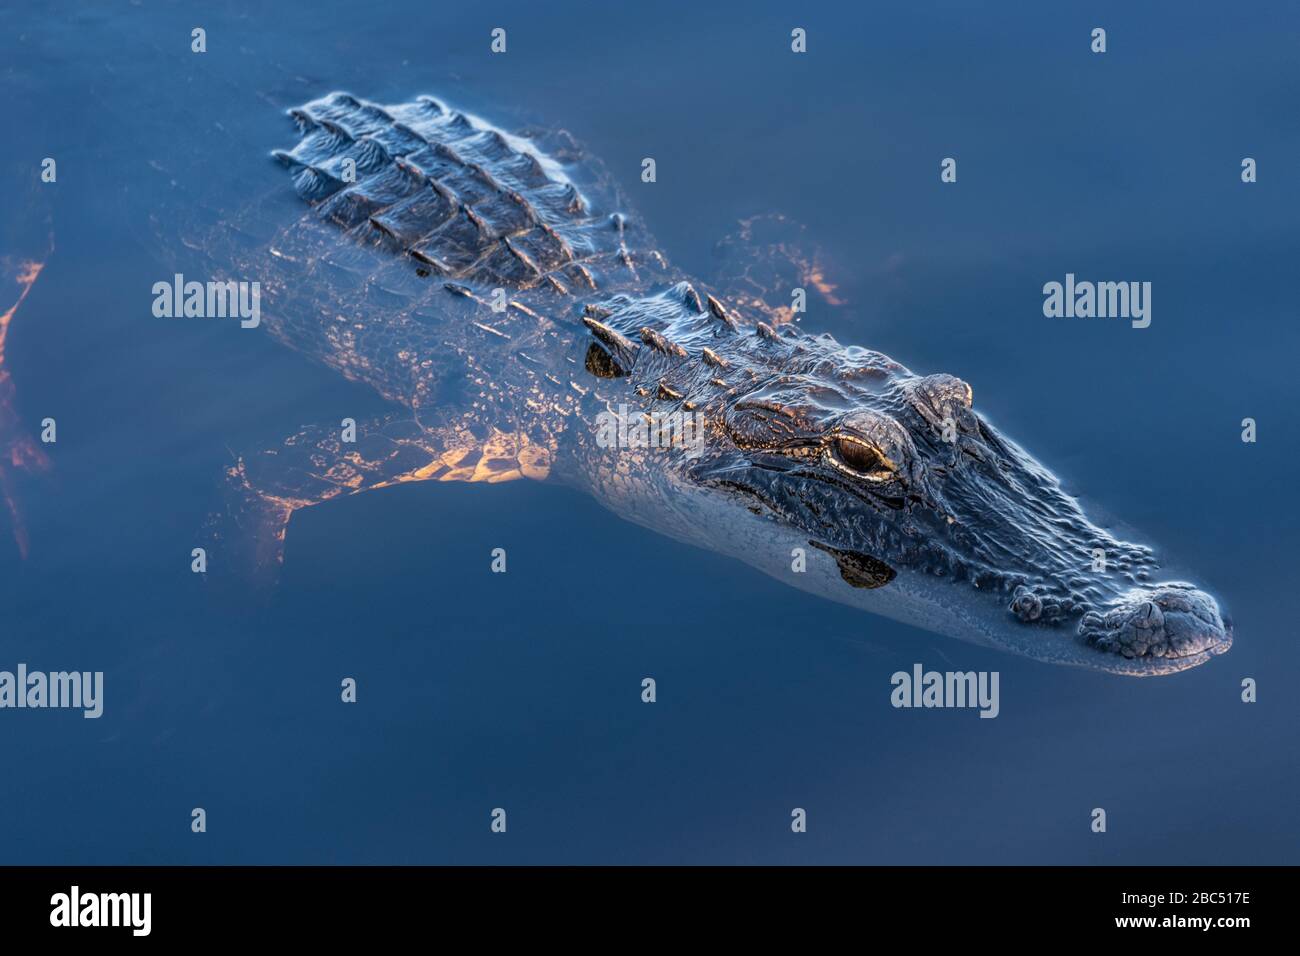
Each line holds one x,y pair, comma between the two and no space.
496,290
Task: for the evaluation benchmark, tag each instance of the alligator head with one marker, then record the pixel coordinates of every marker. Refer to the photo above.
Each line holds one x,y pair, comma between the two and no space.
929,513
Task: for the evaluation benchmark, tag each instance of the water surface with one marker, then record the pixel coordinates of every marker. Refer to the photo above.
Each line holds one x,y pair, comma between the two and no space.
523,691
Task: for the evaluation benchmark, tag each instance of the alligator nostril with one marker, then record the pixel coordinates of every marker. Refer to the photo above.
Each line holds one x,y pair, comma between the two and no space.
1149,616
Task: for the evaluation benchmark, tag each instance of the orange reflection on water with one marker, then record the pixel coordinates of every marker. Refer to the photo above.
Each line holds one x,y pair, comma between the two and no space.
20,452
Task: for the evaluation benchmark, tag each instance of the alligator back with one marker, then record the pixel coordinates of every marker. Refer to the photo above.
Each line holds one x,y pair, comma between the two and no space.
441,215
464,200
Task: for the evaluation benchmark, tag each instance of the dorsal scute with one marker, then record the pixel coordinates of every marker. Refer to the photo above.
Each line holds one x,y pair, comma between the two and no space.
460,196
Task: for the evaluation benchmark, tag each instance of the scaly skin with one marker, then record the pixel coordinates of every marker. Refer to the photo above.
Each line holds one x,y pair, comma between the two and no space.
904,500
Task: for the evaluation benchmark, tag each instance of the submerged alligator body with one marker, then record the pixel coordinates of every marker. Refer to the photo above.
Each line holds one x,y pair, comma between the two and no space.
505,303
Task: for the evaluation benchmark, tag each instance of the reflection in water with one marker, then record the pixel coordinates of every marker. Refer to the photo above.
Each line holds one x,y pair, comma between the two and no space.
20,452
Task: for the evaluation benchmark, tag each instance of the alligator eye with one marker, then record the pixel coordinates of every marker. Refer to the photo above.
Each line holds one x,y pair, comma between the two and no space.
861,459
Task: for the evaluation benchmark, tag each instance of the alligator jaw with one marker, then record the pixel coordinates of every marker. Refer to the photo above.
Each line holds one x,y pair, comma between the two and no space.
1145,631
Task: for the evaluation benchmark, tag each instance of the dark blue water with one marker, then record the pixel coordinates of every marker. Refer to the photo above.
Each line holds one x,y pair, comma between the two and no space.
522,690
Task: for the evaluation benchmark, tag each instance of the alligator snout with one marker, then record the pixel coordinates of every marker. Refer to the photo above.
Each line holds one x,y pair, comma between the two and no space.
1171,620
1165,621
